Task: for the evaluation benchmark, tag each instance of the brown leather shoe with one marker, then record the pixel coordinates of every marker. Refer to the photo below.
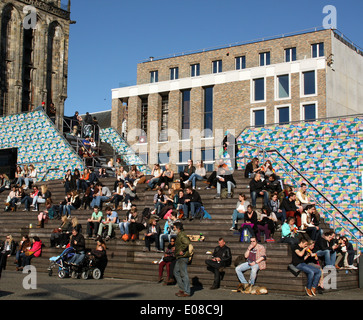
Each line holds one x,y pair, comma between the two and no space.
308,292
313,291
179,292
183,295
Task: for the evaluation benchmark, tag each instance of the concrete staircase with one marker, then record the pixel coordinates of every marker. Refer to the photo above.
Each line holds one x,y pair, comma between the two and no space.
128,261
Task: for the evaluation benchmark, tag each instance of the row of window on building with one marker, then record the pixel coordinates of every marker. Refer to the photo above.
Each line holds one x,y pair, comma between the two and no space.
258,118
258,114
290,54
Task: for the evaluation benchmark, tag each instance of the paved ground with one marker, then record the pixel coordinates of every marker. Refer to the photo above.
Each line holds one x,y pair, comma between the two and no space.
12,286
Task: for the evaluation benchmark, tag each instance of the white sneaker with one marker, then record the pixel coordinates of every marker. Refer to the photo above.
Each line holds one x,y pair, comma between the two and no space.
352,267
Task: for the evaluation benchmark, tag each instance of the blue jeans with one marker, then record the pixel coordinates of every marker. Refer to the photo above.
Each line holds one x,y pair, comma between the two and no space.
153,182
195,177
329,257
165,237
27,201
235,216
254,196
281,215
67,210
158,206
194,206
230,185
181,274
244,267
77,258
27,181
313,274
98,201
20,181
124,228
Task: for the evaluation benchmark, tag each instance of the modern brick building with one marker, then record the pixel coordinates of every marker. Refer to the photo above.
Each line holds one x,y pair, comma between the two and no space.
33,55
182,105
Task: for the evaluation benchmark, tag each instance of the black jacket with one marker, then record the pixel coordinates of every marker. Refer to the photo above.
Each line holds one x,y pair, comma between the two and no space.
194,197
224,253
322,244
288,205
157,228
257,186
81,243
227,177
272,186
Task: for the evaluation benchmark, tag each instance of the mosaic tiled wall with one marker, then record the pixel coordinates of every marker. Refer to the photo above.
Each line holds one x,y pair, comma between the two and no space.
329,153
112,137
38,143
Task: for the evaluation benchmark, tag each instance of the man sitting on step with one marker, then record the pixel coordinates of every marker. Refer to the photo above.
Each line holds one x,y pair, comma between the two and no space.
192,203
225,181
221,258
111,221
256,260
103,195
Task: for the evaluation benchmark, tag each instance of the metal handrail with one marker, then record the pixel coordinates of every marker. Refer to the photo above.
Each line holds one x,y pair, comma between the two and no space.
129,147
311,185
323,207
264,151
60,134
46,173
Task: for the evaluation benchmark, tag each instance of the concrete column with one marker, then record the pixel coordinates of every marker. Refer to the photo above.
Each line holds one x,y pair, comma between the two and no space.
174,126
117,115
134,119
154,115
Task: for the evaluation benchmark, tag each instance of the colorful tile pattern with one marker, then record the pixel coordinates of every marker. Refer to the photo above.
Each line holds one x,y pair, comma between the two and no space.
329,153
38,143
112,137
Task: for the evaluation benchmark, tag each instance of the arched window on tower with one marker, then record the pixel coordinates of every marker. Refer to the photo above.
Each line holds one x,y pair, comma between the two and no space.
55,65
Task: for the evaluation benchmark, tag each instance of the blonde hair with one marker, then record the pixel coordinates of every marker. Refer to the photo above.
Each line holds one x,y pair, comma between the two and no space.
74,221
44,188
64,220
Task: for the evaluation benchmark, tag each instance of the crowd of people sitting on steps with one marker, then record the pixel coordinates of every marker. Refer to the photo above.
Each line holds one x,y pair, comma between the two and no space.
291,212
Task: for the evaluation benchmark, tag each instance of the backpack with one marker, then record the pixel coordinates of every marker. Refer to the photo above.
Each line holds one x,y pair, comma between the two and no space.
245,235
206,214
224,193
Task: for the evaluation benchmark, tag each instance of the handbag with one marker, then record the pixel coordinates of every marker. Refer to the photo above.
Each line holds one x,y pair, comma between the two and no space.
29,253
295,271
168,258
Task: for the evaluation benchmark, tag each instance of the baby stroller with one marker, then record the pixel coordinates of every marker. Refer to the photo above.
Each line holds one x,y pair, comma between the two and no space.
89,267
61,262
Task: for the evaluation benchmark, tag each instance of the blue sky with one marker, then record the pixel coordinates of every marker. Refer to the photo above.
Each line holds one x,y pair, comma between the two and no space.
112,36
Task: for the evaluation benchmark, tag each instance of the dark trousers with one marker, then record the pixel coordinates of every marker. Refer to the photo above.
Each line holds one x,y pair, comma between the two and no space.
214,266
92,227
212,179
135,228
150,239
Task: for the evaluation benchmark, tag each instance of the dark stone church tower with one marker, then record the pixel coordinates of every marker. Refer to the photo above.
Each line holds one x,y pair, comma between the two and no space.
34,56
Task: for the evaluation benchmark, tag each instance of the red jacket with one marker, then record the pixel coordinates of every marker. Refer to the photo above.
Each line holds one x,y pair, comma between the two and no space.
36,248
